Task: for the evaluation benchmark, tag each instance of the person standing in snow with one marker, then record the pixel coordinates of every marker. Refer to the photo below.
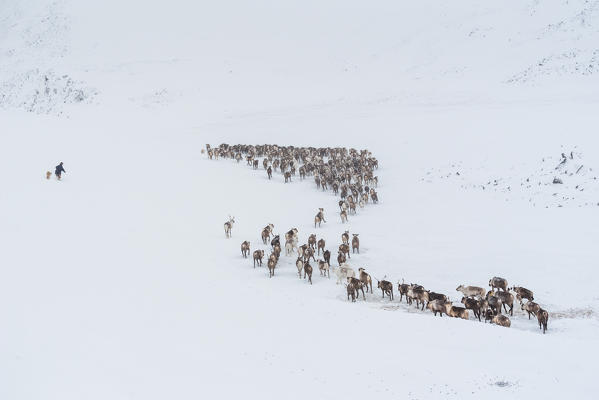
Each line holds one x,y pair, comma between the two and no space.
59,170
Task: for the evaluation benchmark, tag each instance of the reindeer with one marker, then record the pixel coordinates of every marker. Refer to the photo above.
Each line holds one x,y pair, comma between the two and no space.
358,286
323,266
343,272
531,308
266,232
474,305
343,248
471,291
345,237
269,172
256,164
319,217
374,196
436,296
291,234
352,207
506,299
342,205
437,306
275,241
417,292
309,253
287,176
501,320
351,291
365,278
456,312
402,288
522,293
321,244
228,226
245,249
288,248
308,271
387,288
327,257
543,318
299,263
343,215
277,251
258,254
355,243
493,302
272,263
499,283
312,241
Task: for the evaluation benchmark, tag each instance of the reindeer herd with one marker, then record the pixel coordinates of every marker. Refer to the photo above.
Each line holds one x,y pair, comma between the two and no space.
350,175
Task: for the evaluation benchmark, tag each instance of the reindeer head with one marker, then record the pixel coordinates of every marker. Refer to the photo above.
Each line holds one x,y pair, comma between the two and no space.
355,234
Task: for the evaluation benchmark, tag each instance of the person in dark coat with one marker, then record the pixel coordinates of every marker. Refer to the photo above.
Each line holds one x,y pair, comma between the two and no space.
59,170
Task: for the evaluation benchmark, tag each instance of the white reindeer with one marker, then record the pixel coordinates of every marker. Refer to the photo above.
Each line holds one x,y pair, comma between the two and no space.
228,226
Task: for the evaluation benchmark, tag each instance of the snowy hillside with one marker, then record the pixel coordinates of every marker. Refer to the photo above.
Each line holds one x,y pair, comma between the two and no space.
118,281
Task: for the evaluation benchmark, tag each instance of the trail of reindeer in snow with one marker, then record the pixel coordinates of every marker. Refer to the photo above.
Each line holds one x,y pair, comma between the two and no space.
519,319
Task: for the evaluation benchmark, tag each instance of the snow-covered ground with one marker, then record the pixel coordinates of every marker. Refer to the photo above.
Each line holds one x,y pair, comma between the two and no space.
118,282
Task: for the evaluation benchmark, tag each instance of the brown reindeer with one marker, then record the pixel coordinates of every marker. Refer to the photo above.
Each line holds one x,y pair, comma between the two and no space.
387,288
456,312
506,299
402,288
352,207
312,241
501,320
522,293
309,253
358,285
437,306
327,256
341,258
245,249
271,267
355,243
287,176
345,237
308,271
531,308
277,250
319,217
258,255
474,305
351,291
543,318
499,283
365,278
269,172
267,232
343,215
321,244
418,294
343,248
323,266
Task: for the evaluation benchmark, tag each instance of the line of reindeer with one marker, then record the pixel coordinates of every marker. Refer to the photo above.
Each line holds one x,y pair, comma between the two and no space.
348,172
482,303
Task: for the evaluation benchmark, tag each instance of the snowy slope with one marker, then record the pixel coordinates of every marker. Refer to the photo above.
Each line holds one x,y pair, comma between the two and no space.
117,282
